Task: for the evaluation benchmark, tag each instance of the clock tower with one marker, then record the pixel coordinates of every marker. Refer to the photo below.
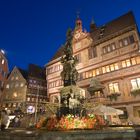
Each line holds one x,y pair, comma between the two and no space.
78,28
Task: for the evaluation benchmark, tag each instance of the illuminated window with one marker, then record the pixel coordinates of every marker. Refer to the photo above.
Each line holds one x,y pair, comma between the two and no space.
2,61
15,94
114,87
116,66
113,46
97,72
104,69
107,69
112,67
90,74
133,61
28,99
21,84
135,83
86,74
123,64
12,78
16,77
138,60
7,86
125,41
126,63
94,73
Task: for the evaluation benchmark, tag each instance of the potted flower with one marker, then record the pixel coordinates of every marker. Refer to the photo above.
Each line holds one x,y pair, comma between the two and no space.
113,96
135,92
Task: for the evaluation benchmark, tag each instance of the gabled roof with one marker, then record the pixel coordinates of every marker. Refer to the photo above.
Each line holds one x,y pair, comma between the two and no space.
114,26
33,71
59,53
36,71
24,73
109,28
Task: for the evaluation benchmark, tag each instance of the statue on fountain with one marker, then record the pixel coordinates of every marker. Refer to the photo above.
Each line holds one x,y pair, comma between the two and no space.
70,93
69,74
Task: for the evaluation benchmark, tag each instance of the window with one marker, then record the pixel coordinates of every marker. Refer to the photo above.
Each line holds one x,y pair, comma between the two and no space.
126,41
12,78
7,86
138,60
131,38
113,46
21,85
135,83
86,74
15,94
97,72
133,61
2,61
16,77
114,87
109,48
126,63
28,99
78,57
116,66
92,53
109,68
104,69
17,84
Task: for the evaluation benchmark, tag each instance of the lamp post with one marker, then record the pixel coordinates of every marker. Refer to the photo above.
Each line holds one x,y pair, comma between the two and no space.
36,104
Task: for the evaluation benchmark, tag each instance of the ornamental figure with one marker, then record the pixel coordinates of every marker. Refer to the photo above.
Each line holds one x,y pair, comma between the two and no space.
69,74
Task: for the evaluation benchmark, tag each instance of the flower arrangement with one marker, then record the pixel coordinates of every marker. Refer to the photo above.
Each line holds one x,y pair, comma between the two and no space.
135,92
71,122
113,96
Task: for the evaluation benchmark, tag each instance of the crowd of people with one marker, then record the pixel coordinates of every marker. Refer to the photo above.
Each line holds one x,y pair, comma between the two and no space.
6,121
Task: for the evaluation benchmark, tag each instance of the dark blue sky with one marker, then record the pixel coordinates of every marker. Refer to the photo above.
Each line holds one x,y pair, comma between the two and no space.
32,30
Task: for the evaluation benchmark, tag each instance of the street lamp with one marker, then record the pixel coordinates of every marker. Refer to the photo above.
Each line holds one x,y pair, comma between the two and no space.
36,104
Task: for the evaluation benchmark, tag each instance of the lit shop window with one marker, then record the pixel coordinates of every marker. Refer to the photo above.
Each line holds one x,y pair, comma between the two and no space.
114,87
135,83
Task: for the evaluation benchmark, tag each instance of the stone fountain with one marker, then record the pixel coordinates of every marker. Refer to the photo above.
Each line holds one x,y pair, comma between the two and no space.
71,95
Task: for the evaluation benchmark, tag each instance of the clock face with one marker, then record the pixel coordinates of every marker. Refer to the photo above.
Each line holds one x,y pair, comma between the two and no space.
77,35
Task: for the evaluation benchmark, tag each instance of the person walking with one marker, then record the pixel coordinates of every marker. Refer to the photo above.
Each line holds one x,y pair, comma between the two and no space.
4,120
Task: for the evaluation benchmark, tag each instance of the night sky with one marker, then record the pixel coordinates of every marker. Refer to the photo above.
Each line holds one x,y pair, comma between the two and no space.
31,31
